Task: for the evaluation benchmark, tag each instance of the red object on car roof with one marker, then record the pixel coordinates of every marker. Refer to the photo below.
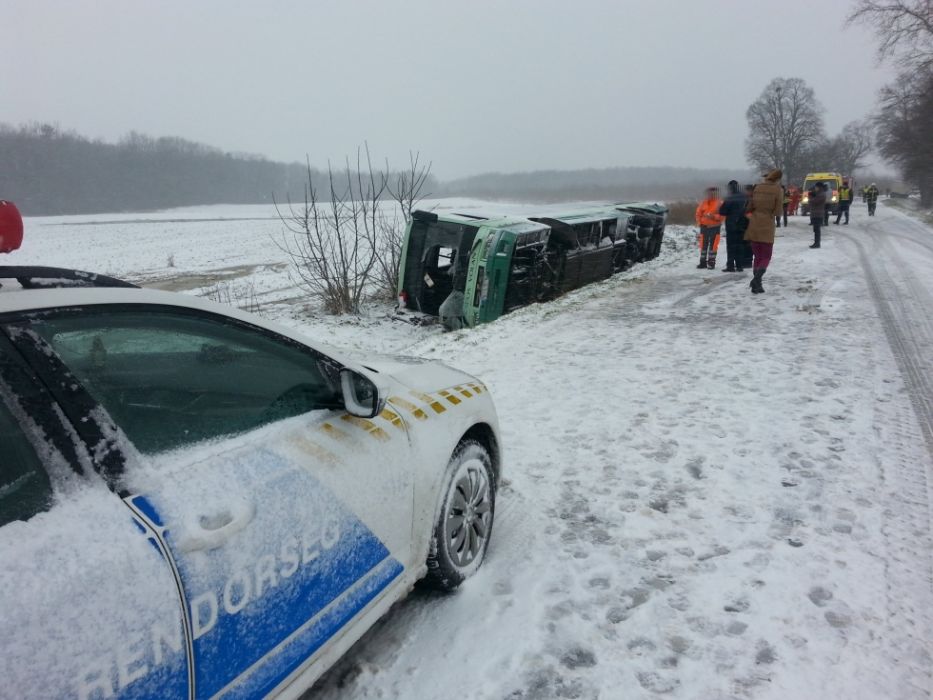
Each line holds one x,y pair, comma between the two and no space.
11,227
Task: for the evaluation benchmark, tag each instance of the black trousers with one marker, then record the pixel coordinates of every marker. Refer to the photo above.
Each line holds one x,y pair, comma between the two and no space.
709,244
817,223
843,209
777,219
735,244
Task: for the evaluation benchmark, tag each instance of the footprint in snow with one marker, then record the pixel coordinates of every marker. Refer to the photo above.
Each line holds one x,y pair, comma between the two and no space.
739,605
819,596
578,657
838,619
678,644
765,654
655,682
695,467
736,628
717,551
640,645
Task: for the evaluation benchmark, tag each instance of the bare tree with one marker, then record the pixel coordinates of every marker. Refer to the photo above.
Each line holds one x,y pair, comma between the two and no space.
904,27
406,189
849,151
903,127
783,123
905,116
333,244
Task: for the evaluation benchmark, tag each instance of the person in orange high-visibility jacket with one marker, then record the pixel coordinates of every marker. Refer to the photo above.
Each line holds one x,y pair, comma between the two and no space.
710,222
795,196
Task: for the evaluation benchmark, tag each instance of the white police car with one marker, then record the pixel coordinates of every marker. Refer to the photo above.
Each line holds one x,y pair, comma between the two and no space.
197,503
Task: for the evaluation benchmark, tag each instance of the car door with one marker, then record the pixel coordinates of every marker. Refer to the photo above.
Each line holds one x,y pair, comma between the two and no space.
89,608
284,516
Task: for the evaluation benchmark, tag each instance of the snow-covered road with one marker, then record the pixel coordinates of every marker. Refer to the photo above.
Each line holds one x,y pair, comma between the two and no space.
710,494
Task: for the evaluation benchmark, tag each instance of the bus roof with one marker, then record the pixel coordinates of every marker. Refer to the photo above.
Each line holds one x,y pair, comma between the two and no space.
510,223
520,224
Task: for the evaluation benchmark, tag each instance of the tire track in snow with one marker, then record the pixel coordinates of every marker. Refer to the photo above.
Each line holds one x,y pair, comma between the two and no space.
907,526
911,239
909,335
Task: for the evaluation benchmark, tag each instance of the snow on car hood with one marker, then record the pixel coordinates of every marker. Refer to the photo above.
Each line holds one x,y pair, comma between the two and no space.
417,373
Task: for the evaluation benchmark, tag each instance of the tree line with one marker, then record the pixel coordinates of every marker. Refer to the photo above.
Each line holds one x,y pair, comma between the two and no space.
49,171
904,120
603,184
786,121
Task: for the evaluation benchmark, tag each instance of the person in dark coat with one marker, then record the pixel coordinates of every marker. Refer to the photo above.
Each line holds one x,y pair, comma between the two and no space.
733,210
818,211
871,197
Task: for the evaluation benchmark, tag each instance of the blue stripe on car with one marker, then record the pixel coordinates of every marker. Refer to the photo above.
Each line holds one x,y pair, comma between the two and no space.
310,638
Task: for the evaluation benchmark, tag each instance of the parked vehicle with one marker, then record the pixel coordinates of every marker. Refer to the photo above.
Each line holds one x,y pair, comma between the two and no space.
195,502
833,182
468,270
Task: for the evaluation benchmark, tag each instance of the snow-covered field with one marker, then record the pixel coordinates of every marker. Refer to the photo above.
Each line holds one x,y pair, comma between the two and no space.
709,494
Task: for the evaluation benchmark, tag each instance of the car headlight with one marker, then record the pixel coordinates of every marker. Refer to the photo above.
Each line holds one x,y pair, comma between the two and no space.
806,199
835,199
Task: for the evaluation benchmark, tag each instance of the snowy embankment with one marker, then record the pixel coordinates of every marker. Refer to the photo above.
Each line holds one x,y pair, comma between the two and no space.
709,494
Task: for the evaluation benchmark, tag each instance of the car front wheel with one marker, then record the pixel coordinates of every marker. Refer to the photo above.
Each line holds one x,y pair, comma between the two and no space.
464,520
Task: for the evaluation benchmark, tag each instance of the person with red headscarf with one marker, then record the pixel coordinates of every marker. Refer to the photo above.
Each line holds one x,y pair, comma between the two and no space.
11,227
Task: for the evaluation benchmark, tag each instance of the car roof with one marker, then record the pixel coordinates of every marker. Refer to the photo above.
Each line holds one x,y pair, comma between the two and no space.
15,299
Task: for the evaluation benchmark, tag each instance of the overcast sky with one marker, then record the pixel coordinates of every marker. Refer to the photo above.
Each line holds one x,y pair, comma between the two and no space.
475,86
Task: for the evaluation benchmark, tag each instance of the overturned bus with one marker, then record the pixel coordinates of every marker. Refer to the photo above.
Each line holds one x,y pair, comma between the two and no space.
468,270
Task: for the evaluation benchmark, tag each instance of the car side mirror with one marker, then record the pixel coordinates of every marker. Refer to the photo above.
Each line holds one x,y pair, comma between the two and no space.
361,396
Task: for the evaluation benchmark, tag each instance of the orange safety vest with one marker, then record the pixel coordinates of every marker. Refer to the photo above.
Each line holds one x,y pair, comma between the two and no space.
708,213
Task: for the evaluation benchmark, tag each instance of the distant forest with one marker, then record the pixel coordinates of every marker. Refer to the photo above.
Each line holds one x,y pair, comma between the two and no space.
606,184
49,171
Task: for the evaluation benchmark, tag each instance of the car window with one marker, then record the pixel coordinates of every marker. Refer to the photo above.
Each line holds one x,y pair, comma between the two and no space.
170,378
24,484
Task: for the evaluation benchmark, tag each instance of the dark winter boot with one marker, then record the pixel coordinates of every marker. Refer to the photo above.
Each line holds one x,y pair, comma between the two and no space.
756,286
702,265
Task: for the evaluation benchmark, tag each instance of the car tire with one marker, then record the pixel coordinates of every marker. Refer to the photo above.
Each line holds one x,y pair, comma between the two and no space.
465,517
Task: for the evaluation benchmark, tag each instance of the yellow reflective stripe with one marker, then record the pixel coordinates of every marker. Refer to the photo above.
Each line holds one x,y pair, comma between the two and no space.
366,425
430,401
478,388
463,391
450,397
394,418
305,444
334,432
408,406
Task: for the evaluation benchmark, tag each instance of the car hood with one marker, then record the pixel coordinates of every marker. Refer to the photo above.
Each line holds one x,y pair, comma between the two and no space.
417,373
